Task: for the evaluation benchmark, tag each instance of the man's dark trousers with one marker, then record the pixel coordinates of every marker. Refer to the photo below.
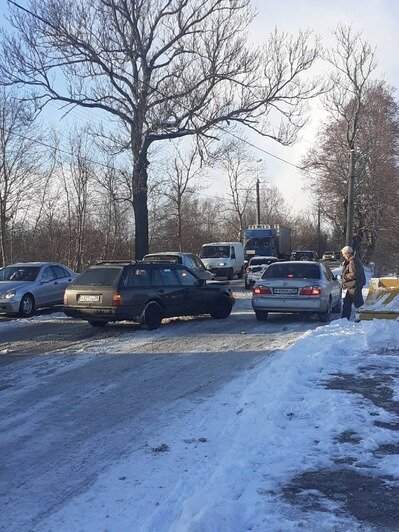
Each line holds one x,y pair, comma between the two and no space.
349,300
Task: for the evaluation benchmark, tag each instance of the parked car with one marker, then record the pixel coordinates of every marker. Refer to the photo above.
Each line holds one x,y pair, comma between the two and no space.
25,287
187,259
305,287
331,255
256,268
305,254
144,292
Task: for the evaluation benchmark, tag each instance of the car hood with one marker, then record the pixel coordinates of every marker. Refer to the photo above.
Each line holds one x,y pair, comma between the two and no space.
5,286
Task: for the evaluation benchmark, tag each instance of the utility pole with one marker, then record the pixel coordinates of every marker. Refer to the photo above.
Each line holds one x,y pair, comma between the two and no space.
319,230
257,203
351,199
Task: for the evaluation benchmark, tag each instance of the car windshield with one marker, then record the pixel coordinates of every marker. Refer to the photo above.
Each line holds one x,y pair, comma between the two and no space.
19,273
98,277
292,271
215,252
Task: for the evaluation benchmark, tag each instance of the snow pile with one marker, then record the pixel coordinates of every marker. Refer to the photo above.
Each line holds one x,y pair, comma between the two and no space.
230,462
383,296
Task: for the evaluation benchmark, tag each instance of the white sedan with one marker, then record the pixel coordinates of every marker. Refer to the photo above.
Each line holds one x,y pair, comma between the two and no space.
297,286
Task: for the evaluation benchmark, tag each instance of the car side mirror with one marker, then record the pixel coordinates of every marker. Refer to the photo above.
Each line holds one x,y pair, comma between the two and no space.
199,282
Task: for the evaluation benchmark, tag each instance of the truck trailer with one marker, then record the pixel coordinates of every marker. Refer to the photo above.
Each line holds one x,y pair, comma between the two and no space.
267,241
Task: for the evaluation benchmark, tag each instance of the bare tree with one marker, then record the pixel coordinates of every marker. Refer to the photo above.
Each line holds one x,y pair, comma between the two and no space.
161,68
182,171
20,162
354,61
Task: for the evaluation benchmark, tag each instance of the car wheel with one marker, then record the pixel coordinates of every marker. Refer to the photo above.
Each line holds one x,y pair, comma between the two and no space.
222,308
338,307
326,315
241,273
261,315
27,306
96,323
246,284
152,316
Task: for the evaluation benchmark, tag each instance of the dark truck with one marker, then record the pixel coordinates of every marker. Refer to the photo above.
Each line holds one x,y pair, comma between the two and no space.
267,241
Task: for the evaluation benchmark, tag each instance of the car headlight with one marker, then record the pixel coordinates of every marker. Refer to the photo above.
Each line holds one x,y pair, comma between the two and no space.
221,264
7,295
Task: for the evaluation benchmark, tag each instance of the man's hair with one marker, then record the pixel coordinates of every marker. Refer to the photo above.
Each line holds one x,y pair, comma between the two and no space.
346,249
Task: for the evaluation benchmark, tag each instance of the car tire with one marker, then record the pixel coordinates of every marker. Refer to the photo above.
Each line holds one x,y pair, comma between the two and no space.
27,306
338,307
261,315
97,323
246,284
222,309
152,316
241,273
325,316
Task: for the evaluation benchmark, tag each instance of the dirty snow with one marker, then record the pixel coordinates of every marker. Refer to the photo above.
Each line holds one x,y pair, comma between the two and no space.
230,464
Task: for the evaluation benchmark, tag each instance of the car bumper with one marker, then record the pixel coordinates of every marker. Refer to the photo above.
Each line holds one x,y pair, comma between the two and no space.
10,307
100,314
289,304
220,272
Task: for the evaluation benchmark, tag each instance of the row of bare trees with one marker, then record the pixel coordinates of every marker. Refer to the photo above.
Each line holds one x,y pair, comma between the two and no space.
157,72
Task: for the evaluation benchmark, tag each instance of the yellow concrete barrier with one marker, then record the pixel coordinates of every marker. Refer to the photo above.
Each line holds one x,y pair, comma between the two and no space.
382,301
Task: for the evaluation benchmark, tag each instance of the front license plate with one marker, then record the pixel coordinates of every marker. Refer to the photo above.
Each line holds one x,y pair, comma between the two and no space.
89,298
285,290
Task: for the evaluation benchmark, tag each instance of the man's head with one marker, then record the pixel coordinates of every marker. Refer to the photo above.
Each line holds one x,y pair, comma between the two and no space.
347,252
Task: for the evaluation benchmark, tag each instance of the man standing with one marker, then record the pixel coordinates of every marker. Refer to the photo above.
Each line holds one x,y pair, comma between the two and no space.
353,280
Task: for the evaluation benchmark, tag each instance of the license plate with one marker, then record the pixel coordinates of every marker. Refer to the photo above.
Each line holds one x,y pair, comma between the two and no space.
285,290
89,299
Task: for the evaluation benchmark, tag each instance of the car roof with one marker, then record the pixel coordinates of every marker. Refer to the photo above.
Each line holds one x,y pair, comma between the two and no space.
165,253
264,257
37,264
301,262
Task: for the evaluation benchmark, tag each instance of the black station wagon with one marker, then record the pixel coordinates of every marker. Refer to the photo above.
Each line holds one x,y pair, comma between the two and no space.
144,292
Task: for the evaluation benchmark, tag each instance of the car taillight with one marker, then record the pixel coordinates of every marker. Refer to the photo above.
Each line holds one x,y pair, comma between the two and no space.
117,300
65,298
310,291
264,290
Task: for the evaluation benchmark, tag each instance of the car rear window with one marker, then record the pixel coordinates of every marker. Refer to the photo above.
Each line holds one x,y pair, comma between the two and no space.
168,258
295,271
98,277
257,262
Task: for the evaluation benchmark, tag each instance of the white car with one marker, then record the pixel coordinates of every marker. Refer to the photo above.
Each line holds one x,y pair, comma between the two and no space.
297,287
255,269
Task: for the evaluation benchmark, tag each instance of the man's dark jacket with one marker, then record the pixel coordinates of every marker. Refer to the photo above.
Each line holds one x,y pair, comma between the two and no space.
353,278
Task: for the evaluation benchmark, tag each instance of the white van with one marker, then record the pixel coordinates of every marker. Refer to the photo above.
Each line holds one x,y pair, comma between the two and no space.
224,259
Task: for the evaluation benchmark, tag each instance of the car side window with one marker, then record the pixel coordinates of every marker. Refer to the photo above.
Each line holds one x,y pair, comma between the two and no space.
134,277
328,273
168,277
48,274
191,262
60,272
186,277
198,263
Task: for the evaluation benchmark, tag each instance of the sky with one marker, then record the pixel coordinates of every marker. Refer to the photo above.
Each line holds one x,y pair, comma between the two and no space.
379,22
295,443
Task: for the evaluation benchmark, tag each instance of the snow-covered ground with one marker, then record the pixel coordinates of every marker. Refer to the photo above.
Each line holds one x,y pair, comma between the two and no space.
305,439
265,453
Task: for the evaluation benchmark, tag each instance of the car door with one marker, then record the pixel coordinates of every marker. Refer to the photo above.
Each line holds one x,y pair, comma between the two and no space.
63,280
47,290
195,292
169,290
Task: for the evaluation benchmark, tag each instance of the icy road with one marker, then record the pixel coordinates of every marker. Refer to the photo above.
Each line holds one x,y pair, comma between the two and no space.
74,399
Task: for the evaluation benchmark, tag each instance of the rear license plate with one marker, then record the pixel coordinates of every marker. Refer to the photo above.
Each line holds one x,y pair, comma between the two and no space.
89,298
285,290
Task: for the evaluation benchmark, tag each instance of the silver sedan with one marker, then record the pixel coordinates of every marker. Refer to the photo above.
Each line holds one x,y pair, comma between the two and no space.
24,287
297,286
